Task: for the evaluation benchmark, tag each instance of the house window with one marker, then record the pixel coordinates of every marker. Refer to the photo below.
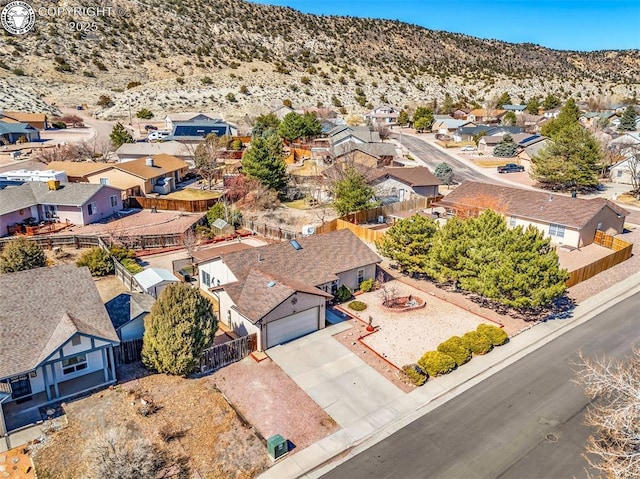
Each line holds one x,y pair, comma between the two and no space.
619,174
20,386
74,364
76,341
92,209
360,276
114,200
556,230
512,222
104,181
206,278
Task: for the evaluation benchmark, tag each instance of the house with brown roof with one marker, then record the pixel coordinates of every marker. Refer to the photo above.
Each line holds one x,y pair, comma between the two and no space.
571,222
79,171
155,174
486,115
405,183
35,120
280,291
57,341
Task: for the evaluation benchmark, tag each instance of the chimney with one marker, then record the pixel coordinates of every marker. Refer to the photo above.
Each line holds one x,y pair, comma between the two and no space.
259,257
149,161
53,184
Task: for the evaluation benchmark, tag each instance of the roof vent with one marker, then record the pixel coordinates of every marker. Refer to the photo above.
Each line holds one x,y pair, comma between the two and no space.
271,284
550,197
259,257
149,161
295,245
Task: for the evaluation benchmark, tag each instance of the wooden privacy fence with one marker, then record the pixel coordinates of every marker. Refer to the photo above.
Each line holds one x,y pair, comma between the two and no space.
128,352
226,353
76,241
58,240
268,231
622,252
191,206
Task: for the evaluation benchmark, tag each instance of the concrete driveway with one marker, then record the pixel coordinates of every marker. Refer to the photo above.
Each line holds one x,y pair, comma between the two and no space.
342,384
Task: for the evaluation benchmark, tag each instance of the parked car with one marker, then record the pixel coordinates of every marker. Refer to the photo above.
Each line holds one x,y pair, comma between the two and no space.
468,148
157,135
510,168
150,127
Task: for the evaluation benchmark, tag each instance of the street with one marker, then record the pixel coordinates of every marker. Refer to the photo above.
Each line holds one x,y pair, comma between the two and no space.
523,422
432,156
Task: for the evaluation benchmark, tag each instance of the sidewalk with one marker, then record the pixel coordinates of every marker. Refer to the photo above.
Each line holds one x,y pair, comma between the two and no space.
328,453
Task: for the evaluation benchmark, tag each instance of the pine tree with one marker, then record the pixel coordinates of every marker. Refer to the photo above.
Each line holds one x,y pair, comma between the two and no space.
179,328
263,161
533,105
504,99
352,193
447,104
628,120
407,242
21,254
264,123
509,119
506,148
403,118
119,136
449,247
569,115
444,173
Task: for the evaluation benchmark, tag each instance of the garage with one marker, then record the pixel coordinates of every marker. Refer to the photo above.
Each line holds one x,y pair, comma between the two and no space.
292,327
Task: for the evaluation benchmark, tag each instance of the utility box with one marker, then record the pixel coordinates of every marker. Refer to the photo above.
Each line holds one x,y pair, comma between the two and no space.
277,446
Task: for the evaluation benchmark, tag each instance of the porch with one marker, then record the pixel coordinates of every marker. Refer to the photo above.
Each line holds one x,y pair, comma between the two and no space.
25,411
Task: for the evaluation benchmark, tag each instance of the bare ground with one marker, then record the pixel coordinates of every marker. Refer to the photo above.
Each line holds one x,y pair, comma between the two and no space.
210,439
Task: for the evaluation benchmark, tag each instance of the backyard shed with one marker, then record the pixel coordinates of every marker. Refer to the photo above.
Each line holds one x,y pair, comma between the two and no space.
221,228
153,280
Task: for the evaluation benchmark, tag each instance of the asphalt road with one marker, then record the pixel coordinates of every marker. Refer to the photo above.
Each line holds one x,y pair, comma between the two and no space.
523,422
432,156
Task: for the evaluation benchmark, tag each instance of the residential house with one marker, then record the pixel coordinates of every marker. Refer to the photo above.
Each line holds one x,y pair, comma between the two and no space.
448,126
35,120
157,174
196,131
79,171
552,113
467,133
281,111
461,113
73,203
144,149
592,119
280,291
57,341
11,133
322,113
627,171
127,312
152,281
517,109
570,222
22,176
530,123
487,143
356,134
403,184
186,117
486,115
384,114
623,142
372,155
530,148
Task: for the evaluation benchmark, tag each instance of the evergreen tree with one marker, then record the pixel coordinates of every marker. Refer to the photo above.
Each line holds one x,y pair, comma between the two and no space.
264,123
444,173
291,127
21,254
352,193
509,119
628,120
504,99
449,247
119,136
403,118
407,242
179,328
423,117
447,104
571,160
550,102
533,105
506,148
569,115
263,161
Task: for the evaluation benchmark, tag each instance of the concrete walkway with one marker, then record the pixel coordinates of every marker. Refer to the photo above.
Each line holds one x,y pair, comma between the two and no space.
342,384
326,454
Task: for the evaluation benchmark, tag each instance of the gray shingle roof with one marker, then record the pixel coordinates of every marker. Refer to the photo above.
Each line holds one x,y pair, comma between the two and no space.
414,176
537,206
127,306
38,193
374,149
43,308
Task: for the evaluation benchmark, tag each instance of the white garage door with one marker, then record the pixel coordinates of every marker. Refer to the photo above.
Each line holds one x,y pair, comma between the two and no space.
292,327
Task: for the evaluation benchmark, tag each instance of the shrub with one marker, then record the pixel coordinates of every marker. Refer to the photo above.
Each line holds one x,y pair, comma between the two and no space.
132,266
122,253
357,305
21,254
343,294
59,125
477,342
435,363
414,375
455,347
366,285
145,114
496,335
98,261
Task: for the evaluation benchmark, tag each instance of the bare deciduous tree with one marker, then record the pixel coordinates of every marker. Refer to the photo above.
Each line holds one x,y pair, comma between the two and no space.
614,449
388,292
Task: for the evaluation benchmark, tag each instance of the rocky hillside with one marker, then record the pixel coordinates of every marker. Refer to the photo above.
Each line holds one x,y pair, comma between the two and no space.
240,57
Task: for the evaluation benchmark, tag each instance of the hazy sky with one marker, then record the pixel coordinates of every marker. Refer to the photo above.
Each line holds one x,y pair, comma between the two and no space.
561,24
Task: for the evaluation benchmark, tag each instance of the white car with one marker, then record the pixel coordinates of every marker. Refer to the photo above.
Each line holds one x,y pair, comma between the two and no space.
157,135
468,148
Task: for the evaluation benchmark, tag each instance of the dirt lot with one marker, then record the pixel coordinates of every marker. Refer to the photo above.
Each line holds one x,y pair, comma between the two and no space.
209,439
272,402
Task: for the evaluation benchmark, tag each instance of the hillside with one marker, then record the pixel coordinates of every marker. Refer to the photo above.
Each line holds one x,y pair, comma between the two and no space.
239,57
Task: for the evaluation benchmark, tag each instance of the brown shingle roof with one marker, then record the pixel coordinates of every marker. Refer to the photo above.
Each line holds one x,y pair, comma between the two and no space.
23,117
532,205
416,176
43,308
79,168
162,164
217,251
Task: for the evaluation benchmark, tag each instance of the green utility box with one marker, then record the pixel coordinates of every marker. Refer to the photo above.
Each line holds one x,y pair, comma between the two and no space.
277,446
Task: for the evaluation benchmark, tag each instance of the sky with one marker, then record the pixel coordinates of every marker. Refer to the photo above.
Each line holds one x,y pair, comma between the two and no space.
584,25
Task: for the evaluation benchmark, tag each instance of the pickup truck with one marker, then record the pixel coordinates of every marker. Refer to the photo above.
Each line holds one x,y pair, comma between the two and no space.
510,168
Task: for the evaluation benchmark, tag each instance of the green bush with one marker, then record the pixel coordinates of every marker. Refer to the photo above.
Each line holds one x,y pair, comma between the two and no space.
122,253
435,363
357,305
413,374
477,342
343,294
496,335
98,261
455,347
132,266
366,285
